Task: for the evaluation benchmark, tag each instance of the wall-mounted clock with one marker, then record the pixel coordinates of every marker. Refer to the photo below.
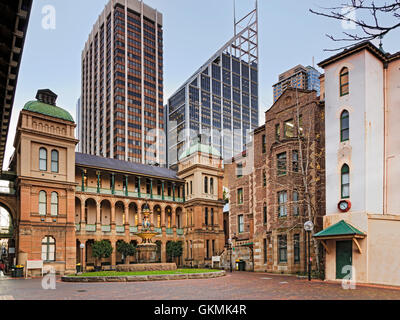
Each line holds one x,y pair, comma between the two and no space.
344,205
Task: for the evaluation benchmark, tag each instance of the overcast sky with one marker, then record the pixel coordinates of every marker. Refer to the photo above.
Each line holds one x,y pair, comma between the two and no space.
193,31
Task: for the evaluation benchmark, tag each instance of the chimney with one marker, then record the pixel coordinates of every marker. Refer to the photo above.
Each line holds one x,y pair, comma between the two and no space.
46,96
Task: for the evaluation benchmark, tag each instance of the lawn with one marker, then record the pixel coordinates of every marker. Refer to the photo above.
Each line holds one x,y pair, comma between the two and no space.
142,273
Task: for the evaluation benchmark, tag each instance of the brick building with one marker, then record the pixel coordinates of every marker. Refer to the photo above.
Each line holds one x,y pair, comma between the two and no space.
268,197
63,199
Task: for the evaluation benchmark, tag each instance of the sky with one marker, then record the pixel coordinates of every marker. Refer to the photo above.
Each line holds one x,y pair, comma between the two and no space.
193,31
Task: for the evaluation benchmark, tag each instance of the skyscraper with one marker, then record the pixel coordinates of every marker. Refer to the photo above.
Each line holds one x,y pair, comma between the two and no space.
219,101
298,77
122,84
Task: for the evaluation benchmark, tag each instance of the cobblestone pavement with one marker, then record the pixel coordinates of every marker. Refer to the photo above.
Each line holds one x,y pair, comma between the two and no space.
236,286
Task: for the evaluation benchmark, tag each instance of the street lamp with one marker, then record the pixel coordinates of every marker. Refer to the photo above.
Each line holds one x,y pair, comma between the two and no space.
309,227
82,246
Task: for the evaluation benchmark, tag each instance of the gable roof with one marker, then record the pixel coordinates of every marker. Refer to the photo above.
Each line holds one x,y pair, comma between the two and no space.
91,161
364,45
341,228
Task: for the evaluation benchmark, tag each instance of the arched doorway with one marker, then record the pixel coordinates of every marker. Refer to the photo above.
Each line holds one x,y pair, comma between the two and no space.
7,239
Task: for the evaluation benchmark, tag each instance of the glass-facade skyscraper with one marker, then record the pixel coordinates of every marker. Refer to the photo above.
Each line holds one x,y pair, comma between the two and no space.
220,101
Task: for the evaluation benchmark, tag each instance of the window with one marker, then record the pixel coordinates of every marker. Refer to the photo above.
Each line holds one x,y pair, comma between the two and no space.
212,185
344,82
295,161
206,216
205,185
239,170
296,209
264,144
296,248
289,129
345,182
54,161
301,129
191,187
48,249
208,249
265,216
282,200
54,204
264,179
277,132
213,247
43,159
42,203
241,223
281,164
344,126
282,247
265,251
240,196
212,216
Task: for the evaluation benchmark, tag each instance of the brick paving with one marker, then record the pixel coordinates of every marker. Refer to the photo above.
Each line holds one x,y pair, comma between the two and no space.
236,286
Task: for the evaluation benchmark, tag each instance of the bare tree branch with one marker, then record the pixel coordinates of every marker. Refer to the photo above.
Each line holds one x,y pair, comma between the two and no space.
352,11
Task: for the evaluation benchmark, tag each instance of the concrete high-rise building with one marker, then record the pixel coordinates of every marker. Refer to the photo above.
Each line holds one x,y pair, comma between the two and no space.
220,100
300,77
122,85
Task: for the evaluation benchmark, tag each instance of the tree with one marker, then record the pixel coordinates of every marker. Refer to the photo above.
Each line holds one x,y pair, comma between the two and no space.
304,176
126,249
367,16
174,249
101,249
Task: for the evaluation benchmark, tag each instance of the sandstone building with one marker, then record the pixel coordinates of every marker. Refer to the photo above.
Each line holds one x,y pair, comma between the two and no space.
64,199
272,194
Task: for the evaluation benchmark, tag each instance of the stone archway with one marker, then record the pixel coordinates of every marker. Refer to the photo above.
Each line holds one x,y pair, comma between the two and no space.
8,236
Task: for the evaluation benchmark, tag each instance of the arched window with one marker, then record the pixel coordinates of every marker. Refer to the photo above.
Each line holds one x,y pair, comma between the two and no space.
205,185
206,216
54,204
345,182
344,82
42,203
345,126
54,161
212,185
43,159
48,249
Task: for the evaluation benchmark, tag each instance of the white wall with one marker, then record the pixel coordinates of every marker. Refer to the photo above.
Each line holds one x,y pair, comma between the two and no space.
364,152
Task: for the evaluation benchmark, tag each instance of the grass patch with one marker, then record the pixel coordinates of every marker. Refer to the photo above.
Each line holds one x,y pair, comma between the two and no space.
142,273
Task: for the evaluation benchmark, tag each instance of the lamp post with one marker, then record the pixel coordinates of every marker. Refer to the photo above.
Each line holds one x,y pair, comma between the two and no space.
309,227
82,246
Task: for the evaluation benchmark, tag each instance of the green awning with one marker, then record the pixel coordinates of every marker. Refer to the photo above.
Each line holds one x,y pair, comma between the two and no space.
339,230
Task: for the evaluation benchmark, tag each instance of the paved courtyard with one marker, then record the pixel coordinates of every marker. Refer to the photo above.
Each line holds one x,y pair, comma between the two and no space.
236,286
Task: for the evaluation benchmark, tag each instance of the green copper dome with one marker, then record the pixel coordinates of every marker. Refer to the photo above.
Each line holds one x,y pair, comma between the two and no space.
48,110
198,147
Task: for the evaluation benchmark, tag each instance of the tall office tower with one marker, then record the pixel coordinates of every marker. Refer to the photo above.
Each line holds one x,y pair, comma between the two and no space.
298,77
78,126
122,84
220,101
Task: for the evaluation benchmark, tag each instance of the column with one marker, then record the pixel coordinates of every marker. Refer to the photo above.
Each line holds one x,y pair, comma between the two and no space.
98,182
139,186
126,185
114,254
151,188
83,213
163,218
98,216
127,231
83,180
183,193
83,257
163,252
173,191
173,222
113,183
162,192
113,217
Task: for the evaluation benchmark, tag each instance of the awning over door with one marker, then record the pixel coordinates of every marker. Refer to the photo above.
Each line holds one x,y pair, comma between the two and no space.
341,231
